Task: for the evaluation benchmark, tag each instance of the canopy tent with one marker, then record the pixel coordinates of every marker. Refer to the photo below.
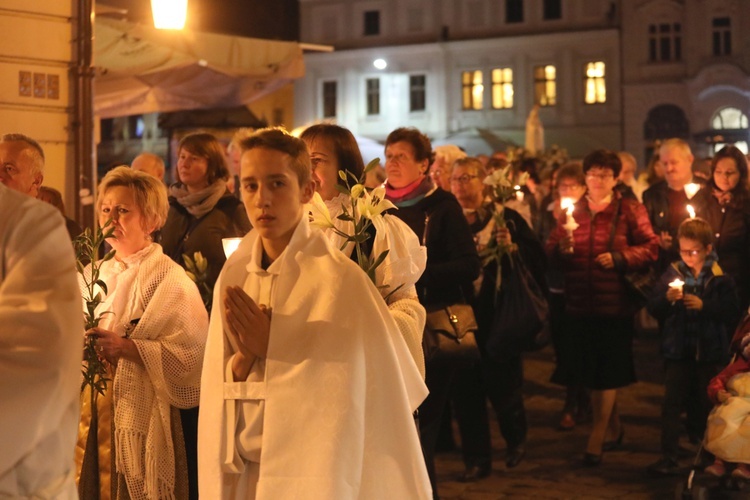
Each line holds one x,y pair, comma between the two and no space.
476,141
140,69
370,149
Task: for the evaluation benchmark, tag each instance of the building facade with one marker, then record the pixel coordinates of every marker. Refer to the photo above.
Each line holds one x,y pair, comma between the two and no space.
615,74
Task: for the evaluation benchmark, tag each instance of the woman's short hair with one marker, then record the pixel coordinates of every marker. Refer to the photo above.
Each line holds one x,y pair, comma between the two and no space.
278,139
602,158
207,146
149,192
471,162
342,142
419,142
740,161
572,170
696,229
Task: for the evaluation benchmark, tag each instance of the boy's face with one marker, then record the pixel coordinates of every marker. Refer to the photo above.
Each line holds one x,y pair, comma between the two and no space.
693,253
272,195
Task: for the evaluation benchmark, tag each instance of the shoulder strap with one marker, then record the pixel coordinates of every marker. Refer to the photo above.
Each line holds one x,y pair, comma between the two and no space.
614,224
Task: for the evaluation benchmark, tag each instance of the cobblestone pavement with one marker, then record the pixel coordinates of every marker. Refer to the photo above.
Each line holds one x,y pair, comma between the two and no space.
552,467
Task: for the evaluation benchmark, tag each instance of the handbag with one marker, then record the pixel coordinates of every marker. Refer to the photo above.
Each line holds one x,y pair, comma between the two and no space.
522,321
640,282
450,335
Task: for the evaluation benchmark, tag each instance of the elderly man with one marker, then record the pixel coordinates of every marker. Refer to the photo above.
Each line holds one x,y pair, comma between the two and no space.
149,163
40,345
21,163
666,201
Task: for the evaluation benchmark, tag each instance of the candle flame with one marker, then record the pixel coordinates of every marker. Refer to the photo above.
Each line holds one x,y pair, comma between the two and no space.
677,283
691,211
567,204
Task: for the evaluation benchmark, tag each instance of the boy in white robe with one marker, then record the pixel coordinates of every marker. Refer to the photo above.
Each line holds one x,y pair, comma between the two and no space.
308,387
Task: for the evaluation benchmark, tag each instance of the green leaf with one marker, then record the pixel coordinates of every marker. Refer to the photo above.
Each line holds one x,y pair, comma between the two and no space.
102,285
346,217
373,164
379,260
80,267
342,189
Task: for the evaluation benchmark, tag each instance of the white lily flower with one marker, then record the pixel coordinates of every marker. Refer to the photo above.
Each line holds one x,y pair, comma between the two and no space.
357,191
319,214
499,178
372,205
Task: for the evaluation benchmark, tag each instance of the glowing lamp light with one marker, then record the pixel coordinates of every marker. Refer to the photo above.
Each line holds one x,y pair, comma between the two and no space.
691,189
169,14
691,211
230,245
380,64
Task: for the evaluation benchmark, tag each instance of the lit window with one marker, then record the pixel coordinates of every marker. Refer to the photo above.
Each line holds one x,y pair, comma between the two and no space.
473,89
722,36
596,91
417,92
373,96
730,118
502,88
665,42
329,99
545,85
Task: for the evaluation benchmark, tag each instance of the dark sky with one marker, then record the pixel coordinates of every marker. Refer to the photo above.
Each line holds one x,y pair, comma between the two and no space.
273,19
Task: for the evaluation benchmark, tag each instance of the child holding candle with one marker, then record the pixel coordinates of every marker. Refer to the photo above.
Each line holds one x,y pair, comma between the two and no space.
697,319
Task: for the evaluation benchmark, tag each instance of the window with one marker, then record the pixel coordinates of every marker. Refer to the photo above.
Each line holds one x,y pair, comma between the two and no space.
513,11
472,89
733,122
372,23
665,42
552,9
596,91
329,99
545,86
373,96
502,88
722,36
417,92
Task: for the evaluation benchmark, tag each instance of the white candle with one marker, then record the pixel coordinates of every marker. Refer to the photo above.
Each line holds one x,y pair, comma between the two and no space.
691,189
519,193
568,205
691,211
677,284
230,245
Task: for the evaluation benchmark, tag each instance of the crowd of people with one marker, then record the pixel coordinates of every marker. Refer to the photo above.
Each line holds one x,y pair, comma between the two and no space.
304,376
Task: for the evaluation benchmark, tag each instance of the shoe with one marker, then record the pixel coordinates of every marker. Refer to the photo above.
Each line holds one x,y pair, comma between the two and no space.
474,473
514,456
567,422
592,460
741,472
716,469
664,467
615,444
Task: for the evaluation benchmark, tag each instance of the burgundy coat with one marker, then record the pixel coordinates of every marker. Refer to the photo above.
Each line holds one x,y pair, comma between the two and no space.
591,290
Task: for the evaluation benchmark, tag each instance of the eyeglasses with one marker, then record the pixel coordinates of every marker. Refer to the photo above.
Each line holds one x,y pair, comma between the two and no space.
599,177
690,253
568,187
464,179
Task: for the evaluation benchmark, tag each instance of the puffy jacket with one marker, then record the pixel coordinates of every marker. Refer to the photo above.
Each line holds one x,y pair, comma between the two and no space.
591,290
708,340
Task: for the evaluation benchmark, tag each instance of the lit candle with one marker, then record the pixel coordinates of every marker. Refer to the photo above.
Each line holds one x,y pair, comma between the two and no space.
568,205
691,189
691,211
677,284
230,245
519,193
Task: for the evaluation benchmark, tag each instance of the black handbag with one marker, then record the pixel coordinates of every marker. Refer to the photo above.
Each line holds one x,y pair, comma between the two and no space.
450,335
522,321
640,282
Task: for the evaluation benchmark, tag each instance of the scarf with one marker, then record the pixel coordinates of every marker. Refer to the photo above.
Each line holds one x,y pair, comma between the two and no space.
723,197
409,195
200,203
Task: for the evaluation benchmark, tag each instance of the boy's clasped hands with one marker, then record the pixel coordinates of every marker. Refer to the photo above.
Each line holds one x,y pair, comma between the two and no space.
692,302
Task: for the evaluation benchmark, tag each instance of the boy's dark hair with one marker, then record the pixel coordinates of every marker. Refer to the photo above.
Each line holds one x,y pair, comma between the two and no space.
603,158
278,139
419,142
696,229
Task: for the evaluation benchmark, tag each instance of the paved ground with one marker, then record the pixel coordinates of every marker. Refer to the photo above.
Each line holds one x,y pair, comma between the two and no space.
552,468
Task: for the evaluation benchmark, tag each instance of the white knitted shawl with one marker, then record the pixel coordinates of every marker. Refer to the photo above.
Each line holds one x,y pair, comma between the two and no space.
170,337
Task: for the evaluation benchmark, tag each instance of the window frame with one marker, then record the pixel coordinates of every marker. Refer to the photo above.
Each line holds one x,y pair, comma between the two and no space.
417,89
325,96
371,23
502,84
595,80
468,90
372,96
545,83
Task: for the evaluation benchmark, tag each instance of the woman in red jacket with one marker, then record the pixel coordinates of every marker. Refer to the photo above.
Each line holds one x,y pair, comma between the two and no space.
613,235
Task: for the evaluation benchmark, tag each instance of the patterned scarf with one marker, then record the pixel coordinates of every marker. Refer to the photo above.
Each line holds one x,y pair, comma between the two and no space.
202,202
723,197
409,195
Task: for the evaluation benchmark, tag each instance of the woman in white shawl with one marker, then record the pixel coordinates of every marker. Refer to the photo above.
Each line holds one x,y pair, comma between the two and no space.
153,337
333,148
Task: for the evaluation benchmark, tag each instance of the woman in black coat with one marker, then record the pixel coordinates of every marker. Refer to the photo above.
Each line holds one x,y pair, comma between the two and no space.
727,210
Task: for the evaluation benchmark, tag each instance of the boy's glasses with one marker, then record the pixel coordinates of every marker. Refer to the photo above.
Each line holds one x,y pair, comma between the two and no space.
689,253
464,179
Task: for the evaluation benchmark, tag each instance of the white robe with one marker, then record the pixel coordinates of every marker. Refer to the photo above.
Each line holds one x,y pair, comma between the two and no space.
41,343
339,386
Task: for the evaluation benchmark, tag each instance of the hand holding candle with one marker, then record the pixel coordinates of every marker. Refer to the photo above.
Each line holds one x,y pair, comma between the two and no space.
675,290
568,204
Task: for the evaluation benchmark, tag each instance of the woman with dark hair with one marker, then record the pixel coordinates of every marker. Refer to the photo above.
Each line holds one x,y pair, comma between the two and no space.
334,149
613,236
452,260
202,211
728,213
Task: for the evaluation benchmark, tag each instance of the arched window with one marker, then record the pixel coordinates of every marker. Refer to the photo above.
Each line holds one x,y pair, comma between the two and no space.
665,121
730,127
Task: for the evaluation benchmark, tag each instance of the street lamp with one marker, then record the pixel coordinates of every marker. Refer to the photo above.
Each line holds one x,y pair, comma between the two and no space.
169,14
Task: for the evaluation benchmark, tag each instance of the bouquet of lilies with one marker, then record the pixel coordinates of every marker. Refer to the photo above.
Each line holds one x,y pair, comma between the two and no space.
501,189
362,208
